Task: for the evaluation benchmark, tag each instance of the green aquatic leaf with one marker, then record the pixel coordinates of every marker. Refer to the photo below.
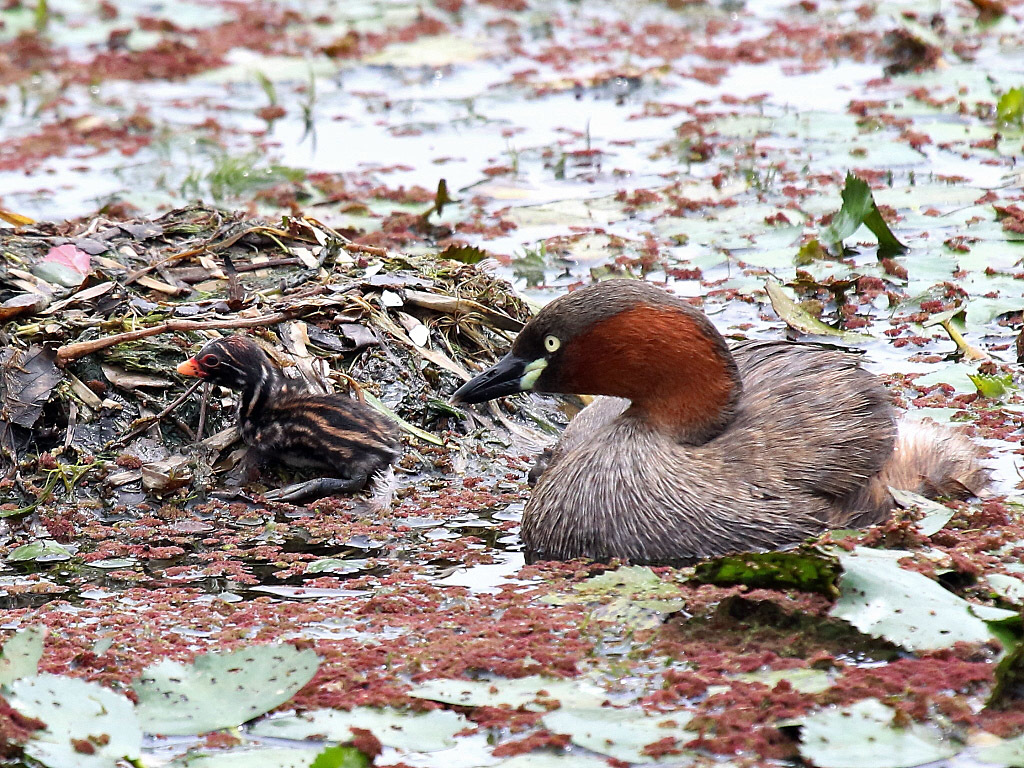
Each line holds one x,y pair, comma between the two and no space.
466,254
807,570
863,735
1008,690
248,757
803,679
1010,108
87,725
21,654
992,385
799,319
630,596
622,733
220,690
341,757
1007,753
934,516
414,731
533,693
859,208
881,599
43,550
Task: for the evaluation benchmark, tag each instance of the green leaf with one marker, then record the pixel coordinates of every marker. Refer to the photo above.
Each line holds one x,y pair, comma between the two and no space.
1009,688
802,679
859,208
863,736
341,757
991,385
807,570
621,733
630,596
467,254
280,757
532,693
1010,107
904,607
414,731
799,319
220,690
43,550
87,725
934,515
1009,752
21,654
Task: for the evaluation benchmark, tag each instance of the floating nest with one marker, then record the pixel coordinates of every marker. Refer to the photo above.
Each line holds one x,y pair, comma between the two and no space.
95,317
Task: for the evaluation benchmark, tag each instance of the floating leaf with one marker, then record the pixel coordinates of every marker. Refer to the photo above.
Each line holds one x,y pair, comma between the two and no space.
621,733
934,515
992,385
802,679
863,736
1009,588
1008,692
807,570
799,319
533,693
220,690
1010,107
341,757
631,596
859,208
21,654
87,725
414,731
1009,752
283,757
904,607
44,550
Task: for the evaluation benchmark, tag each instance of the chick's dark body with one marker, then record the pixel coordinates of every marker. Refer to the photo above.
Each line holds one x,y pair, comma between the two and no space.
327,432
281,424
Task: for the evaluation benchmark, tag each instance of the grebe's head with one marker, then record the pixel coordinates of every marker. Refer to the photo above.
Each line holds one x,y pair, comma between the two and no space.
624,338
233,362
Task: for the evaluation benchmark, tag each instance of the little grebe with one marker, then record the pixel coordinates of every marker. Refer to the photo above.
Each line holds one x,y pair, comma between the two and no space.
328,432
702,450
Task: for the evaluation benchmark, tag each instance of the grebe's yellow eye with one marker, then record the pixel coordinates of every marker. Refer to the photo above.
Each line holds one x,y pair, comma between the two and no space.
552,343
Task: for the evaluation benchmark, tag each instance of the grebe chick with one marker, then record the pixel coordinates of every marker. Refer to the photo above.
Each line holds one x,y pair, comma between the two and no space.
332,433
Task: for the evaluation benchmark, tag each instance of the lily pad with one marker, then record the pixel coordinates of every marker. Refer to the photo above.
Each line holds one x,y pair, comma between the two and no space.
220,690
934,515
1009,752
285,757
622,733
863,736
802,679
43,550
413,731
534,693
907,608
87,725
21,655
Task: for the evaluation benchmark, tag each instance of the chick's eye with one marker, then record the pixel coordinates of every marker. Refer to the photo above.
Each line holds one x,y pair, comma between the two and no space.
210,361
552,343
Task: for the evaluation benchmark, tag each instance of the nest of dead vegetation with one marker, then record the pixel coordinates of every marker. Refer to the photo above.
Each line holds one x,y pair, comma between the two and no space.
96,316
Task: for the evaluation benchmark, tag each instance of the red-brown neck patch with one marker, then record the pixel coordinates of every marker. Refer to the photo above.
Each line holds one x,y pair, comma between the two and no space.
671,363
